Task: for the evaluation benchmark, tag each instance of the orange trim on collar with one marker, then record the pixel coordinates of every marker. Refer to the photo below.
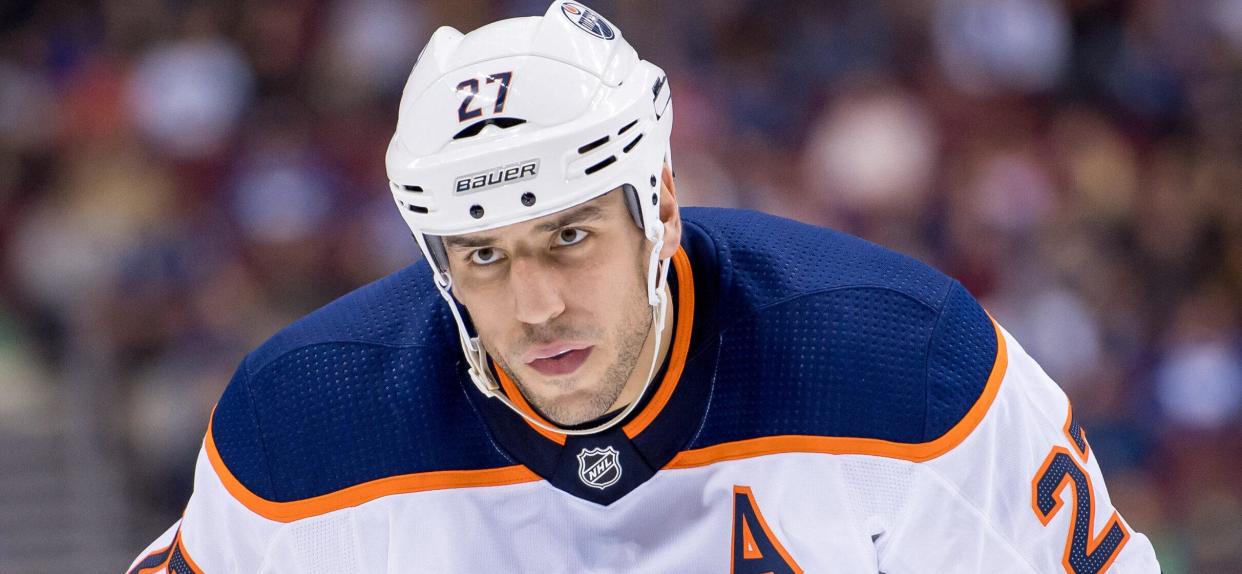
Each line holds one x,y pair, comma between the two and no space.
677,361
848,445
519,401
360,493
681,346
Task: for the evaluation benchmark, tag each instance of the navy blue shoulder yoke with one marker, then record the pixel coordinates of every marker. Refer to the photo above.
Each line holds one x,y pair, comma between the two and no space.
825,334
362,389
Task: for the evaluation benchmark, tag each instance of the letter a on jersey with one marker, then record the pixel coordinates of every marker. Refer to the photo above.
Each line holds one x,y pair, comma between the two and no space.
755,549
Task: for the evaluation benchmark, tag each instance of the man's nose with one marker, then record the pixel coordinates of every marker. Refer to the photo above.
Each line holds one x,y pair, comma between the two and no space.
536,291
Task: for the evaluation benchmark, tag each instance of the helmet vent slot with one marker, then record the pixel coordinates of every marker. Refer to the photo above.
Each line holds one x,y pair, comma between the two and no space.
588,147
477,127
416,208
630,146
627,127
601,165
413,188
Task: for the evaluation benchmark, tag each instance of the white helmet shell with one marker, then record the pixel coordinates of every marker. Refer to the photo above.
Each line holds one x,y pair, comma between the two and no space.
520,119
526,117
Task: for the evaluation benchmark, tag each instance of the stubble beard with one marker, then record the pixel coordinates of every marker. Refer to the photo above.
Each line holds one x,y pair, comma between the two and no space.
630,337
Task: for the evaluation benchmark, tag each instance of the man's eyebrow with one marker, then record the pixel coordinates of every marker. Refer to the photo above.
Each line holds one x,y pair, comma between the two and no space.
468,241
575,215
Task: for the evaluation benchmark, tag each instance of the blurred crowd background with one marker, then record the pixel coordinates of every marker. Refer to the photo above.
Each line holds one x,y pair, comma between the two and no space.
181,178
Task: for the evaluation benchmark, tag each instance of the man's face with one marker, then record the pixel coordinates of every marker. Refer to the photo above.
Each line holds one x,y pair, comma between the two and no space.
560,303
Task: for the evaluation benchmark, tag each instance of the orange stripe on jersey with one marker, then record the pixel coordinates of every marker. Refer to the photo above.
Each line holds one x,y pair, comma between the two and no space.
676,364
361,493
847,445
175,549
519,401
185,555
155,568
681,346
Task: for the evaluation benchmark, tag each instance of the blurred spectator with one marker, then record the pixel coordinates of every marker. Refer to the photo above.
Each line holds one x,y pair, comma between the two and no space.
991,45
1199,377
370,47
873,152
187,97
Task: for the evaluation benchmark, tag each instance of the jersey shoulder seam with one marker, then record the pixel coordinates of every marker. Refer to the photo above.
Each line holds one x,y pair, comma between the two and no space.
341,341
247,376
247,380
806,294
927,352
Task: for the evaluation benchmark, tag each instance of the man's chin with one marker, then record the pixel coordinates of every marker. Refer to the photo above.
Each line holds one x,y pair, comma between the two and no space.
567,403
570,413
554,391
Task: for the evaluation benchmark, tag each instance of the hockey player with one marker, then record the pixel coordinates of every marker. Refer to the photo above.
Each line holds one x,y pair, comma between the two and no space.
583,378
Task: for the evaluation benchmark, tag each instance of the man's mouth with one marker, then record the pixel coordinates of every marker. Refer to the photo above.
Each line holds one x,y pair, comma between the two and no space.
558,359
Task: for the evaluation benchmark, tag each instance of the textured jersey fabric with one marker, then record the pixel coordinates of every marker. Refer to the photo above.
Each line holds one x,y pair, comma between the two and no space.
828,406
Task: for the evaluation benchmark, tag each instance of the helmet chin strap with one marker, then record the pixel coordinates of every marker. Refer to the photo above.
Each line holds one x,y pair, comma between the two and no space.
476,355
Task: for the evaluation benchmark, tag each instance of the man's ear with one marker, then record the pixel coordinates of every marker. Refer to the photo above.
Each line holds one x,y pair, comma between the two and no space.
669,213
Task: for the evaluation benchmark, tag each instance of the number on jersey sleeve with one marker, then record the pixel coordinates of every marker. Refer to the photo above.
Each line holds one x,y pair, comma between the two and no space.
1084,553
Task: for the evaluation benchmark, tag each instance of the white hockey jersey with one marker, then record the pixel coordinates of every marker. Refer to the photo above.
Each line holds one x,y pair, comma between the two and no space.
827,406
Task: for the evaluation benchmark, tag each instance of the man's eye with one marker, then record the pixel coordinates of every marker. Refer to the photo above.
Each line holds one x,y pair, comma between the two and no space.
485,256
570,236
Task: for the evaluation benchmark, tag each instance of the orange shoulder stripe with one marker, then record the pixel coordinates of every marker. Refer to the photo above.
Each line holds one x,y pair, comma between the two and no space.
845,445
361,493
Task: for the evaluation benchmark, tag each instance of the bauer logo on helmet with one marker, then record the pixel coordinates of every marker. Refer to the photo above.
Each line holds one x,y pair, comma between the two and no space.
502,175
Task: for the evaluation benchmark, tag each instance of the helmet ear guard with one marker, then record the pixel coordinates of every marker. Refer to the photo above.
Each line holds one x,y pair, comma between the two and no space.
436,254
633,205
524,118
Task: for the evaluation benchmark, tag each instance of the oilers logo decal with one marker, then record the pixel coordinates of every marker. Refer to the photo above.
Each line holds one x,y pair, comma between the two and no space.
599,467
588,20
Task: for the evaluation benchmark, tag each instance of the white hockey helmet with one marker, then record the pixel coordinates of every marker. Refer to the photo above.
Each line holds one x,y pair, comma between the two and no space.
520,119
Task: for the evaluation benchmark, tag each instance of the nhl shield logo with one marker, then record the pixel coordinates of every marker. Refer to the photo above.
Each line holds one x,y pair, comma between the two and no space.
599,467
